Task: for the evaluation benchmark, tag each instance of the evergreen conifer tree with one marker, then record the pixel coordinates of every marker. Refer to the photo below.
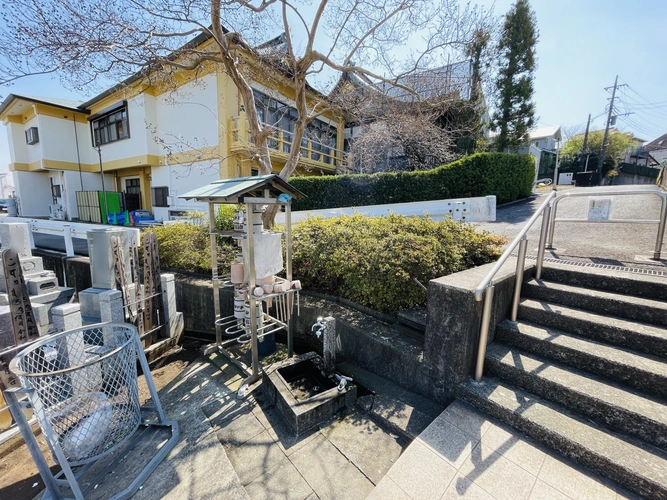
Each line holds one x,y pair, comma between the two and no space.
515,110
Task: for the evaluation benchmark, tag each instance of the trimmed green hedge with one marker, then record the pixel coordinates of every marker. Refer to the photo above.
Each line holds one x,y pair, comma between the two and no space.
375,261
508,176
371,261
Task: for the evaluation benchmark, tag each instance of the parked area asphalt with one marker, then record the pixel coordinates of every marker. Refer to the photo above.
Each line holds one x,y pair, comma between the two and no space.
614,244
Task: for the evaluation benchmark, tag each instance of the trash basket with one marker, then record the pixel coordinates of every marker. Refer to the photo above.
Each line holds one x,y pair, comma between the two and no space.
82,385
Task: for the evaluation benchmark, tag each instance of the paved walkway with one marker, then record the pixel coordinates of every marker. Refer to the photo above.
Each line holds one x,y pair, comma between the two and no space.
465,454
617,244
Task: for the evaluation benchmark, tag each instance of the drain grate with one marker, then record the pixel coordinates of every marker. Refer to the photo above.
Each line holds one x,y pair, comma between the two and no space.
634,270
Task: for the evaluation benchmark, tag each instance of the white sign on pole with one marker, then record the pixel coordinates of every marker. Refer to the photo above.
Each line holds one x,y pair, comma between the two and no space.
599,209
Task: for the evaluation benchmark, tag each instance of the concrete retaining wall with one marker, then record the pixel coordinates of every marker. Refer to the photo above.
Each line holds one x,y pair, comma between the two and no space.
481,209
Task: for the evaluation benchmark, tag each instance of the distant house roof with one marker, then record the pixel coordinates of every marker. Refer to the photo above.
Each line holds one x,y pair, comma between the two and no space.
658,144
428,83
541,133
58,103
538,133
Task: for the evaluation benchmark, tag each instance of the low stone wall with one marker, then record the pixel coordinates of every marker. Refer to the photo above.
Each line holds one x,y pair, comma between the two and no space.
71,271
454,316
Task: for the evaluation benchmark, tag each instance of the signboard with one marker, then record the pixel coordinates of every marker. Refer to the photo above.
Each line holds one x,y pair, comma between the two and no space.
599,209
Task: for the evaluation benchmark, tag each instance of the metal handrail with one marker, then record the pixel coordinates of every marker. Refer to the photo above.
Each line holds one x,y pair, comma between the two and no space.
485,288
655,192
479,291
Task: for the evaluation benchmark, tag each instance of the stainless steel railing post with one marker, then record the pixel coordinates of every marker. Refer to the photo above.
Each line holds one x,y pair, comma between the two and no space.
552,223
484,331
661,229
520,263
543,241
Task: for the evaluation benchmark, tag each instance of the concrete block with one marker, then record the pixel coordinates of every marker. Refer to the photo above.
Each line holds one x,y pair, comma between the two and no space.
172,318
90,304
16,235
41,313
454,317
66,317
44,283
29,265
111,307
101,257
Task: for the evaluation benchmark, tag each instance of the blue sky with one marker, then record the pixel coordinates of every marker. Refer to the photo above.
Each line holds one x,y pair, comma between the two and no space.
583,45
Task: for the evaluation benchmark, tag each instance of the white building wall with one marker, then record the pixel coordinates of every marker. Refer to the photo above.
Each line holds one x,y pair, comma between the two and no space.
18,149
34,150
188,117
180,179
33,191
136,144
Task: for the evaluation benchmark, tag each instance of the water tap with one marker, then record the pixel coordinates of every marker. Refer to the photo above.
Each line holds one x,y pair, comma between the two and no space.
321,323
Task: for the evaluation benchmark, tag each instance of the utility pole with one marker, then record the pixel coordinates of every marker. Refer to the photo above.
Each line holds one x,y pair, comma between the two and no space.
583,149
606,130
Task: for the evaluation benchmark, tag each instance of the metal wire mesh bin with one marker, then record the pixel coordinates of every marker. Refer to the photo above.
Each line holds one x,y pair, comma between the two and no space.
82,385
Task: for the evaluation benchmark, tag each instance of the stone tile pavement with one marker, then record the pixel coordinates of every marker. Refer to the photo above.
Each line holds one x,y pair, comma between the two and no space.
465,454
343,458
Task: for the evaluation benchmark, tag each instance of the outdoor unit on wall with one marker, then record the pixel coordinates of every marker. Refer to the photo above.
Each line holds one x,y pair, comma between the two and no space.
32,136
57,212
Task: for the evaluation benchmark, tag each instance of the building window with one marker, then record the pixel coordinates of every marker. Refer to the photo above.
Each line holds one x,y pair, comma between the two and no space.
32,136
111,127
160,195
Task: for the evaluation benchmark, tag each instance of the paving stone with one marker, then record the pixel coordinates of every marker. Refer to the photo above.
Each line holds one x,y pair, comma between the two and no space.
388,490
348,484
448,441
496,474
281,482
318,461
514,448
421,473
399,416
281,432
634,464
237,431
460,487
574,481
542,491
256,457
468,419
365,444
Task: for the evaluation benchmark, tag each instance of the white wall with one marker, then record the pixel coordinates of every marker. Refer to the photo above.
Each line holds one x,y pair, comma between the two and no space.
34,150
136,145
181,179
34,192
188,117
18,149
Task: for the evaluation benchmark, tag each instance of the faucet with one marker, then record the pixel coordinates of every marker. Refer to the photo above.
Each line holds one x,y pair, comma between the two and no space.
321,323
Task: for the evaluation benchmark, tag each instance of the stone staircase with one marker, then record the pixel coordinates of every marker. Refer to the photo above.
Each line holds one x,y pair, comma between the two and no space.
584,371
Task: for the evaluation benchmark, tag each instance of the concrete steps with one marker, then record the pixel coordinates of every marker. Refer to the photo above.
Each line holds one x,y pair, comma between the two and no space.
619,305
634,335
638,370
584,371
632,463
607,403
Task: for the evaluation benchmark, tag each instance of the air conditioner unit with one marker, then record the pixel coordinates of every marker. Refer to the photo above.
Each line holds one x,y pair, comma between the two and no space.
57,212
32,136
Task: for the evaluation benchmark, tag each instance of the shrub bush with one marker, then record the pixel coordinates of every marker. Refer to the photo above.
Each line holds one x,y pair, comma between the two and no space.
374,261
507,176
371,261
187,247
